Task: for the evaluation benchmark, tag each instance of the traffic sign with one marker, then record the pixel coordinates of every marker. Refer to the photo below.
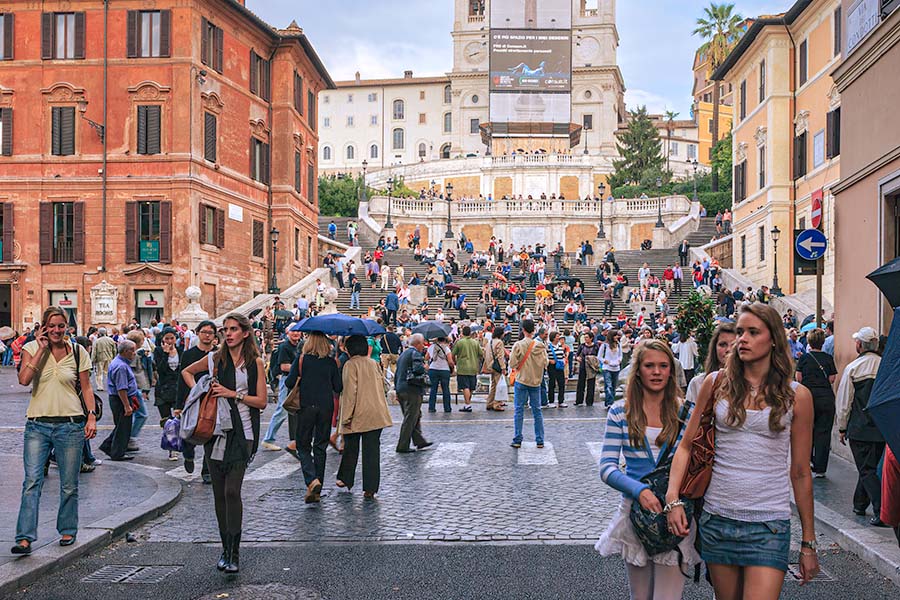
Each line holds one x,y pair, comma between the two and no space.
816,209
811,244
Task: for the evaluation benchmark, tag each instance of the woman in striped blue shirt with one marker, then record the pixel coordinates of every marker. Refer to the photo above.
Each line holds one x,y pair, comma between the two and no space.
640,428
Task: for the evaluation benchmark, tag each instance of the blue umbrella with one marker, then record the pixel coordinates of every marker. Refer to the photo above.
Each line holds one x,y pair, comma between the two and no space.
340,324
432,329
809,327
884,401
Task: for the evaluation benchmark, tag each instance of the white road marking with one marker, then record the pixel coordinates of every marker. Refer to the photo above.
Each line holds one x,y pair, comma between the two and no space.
596,449
179,472
530,454
450,454
275,469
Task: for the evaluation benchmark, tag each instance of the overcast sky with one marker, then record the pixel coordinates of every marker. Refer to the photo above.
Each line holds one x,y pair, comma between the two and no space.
383,38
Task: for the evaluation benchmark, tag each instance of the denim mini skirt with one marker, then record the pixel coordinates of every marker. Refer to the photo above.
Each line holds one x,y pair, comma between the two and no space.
726,541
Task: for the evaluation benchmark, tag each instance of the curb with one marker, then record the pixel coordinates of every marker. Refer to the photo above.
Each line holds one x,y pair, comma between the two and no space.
22,572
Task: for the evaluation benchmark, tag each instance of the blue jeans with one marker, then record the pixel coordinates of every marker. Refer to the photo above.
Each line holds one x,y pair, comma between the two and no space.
354,299
279,416
532,395
610,383
67,441
544,399
437,377
139,417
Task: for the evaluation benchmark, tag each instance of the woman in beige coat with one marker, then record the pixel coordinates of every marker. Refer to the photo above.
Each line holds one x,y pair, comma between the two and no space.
364,413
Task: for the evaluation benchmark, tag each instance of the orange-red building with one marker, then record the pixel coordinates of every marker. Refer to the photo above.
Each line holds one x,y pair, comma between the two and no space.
153,146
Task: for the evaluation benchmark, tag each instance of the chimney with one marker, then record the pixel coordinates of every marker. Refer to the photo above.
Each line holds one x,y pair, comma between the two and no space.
357,78
407,74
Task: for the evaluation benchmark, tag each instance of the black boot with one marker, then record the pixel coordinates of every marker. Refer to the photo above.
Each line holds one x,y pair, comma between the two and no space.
234,562
226,551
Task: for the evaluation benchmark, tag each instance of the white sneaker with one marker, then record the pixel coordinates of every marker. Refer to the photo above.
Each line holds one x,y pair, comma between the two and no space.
174,455
270,446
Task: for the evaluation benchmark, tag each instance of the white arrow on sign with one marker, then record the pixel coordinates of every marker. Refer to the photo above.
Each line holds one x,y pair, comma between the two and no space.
808,244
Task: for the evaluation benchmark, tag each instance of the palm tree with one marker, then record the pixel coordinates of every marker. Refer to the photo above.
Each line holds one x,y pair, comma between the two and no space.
670,124
721,28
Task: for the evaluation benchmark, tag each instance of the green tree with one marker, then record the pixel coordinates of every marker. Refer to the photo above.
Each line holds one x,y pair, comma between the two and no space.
697,314
670,125
339,196
721,28
722,162
639,148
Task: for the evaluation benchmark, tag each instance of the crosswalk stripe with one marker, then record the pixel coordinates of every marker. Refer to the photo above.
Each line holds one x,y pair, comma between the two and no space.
530,454
179,473
450,454
275,469
596,449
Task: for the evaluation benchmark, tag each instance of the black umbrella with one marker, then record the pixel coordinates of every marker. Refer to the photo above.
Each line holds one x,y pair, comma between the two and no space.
432,329
254,312
887,278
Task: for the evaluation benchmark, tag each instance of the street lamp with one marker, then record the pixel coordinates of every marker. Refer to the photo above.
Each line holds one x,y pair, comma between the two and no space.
586,142
273,287
696,165
98,127
601,234
449,234
390,183
659,221
776,233
364,197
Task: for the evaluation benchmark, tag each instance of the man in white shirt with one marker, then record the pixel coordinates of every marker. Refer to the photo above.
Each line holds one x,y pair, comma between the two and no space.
688,353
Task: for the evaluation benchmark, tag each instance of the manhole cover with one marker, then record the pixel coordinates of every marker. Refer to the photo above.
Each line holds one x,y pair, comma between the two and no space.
131,574
272,591
793,572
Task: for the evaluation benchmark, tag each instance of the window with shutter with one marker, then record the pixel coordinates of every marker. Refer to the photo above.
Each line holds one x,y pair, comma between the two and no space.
220,228
743,99
298,93
297,169
7,228
259,161
131,240
210,125
63,131
838,31
7,22
254,73
45,236
79,35
154,126
258,241
804,61
311,109
833,136
218,48
78,232
62,232
207,42
165,232
312,184
762,244
800,155
6,131
208,224
62,35
762,81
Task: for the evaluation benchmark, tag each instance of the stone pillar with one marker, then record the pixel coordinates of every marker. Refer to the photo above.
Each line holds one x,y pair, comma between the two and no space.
193,314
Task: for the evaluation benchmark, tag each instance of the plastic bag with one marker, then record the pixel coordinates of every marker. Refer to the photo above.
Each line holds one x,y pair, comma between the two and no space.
171,435
502,393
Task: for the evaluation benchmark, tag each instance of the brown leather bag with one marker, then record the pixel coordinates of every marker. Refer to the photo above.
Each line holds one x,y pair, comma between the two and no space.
703,452
208,414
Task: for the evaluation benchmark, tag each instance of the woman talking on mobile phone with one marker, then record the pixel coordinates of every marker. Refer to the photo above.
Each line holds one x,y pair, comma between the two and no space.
239,378
763,434
58,420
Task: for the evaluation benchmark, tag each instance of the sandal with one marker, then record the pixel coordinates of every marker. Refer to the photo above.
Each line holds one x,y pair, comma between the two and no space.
340,484
21,548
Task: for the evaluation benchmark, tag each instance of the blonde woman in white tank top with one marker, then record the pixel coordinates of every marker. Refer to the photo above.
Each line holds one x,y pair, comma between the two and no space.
763,431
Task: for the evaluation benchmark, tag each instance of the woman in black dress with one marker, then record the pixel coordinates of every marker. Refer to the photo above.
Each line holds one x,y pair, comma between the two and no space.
166,363
816,370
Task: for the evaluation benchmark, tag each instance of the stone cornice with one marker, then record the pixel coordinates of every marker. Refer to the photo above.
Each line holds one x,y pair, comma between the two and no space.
876,45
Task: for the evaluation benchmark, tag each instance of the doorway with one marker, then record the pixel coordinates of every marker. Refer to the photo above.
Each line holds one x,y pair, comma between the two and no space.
6,305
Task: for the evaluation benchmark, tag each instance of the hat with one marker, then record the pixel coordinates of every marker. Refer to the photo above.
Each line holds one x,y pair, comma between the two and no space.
865,335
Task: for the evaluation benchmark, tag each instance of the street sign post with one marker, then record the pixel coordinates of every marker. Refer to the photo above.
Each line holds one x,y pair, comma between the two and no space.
811,244
815,209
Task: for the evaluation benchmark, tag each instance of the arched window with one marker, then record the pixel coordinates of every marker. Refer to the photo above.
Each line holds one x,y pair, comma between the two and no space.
399,110
423,151
373,151
448,97
399,139
448,122
326,153
351,153
445,151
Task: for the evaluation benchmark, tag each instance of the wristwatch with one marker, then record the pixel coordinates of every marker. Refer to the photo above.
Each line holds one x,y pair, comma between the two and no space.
813,545
239,397
92,412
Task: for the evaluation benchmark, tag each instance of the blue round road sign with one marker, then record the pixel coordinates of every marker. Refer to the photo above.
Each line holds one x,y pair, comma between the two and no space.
811,244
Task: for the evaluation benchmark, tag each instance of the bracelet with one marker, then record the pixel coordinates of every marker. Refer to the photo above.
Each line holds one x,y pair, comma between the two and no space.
811,553
671,505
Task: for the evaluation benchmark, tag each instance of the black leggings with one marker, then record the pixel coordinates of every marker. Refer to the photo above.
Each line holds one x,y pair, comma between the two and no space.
226,484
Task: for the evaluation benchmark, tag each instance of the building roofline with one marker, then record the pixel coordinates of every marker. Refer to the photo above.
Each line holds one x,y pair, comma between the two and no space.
293,33
756,28
391,82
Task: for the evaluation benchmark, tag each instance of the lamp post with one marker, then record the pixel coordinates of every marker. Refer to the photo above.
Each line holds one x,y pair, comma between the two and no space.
390,183
273,287
363,195
586,142
776,233
659,221
98,127
601,234
696,165
449,234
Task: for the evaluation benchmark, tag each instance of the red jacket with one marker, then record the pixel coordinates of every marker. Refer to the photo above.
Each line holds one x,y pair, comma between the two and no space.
669,275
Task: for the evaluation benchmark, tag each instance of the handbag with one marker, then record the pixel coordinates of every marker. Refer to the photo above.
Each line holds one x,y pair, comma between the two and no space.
208,413
703,452
292,401
652,528
98,401
514,374
496,367
171,435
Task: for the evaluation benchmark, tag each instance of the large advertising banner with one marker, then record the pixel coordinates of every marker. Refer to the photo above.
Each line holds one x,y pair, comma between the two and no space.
530,108
531,14
525,60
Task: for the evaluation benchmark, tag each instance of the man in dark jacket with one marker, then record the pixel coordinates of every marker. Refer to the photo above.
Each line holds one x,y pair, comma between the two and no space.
206,343
409,395
683,249
392,305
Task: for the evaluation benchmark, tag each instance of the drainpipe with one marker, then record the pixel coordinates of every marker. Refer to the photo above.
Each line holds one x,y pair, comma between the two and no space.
105,124
269,198
792,207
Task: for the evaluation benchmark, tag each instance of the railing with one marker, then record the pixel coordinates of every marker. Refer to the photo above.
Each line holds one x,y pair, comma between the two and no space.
476,18
722,250
590,12
63,251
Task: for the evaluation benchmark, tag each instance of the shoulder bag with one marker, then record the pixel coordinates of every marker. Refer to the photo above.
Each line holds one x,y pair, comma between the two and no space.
514,374
652,528
703,451
292,401
496,367
209,410
98,401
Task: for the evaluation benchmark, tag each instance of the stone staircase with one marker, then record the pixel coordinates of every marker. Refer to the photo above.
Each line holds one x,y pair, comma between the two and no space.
341,223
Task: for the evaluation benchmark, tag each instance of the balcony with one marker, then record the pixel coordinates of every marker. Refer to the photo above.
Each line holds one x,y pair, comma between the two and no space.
476,18
590,12
63,250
